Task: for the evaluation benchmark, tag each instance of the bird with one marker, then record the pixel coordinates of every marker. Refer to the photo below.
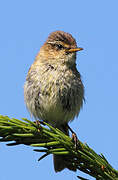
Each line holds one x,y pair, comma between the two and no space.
53,90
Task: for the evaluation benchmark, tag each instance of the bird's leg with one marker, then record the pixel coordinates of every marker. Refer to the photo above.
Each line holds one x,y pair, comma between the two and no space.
74,136
38,124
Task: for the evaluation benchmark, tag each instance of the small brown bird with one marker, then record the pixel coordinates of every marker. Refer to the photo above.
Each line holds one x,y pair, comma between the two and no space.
53,90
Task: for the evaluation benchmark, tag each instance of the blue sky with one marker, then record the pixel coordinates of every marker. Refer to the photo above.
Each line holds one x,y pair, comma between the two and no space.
24,26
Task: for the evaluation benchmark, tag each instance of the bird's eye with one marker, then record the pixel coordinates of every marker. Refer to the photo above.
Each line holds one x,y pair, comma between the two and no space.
59,46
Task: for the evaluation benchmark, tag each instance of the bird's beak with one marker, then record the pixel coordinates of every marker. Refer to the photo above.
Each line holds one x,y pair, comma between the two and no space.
75,49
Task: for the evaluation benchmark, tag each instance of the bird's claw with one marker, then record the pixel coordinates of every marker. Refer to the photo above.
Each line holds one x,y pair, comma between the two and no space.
75,139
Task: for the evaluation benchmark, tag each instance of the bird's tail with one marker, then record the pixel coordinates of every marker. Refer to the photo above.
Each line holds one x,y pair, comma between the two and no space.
61,161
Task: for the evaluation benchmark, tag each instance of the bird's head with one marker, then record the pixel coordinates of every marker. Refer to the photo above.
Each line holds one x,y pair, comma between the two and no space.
60,47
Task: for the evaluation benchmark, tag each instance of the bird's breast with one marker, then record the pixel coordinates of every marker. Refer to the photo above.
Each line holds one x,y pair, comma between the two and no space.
58,95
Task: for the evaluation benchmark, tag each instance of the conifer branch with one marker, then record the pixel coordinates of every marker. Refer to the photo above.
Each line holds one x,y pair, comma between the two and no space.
53,141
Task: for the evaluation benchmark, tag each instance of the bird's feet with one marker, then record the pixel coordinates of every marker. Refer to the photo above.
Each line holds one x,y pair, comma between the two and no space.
38,124
74,137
